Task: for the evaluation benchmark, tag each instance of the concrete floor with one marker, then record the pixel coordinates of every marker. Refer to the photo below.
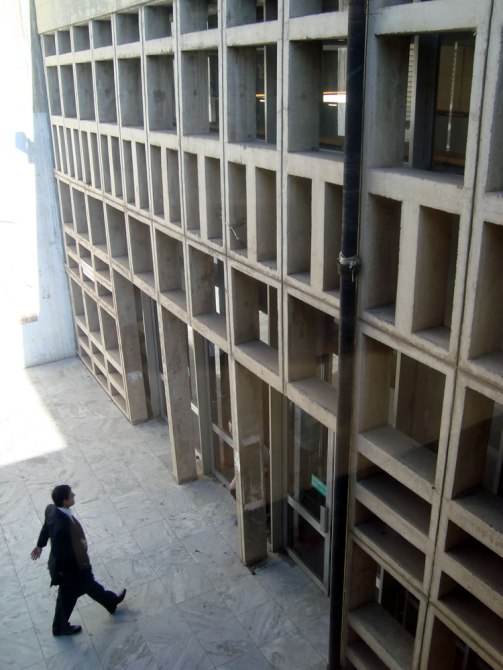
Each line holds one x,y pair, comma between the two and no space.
190,602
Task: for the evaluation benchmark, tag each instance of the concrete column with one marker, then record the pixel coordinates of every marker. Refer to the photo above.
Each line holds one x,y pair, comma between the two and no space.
276,424
182,432
248,462
129,343
203,402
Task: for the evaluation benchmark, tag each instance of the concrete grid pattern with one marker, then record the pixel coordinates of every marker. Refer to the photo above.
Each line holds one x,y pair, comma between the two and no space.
190,602
165,190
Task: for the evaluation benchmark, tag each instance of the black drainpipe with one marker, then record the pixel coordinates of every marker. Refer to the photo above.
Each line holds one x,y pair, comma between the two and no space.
348,270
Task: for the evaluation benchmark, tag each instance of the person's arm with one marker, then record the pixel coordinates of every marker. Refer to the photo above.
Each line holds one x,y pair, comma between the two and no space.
43,538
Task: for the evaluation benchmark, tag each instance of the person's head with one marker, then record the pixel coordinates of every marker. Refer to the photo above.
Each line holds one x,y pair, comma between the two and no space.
63,496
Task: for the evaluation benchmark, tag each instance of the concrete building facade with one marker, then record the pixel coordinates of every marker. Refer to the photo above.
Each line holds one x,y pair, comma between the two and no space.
199,161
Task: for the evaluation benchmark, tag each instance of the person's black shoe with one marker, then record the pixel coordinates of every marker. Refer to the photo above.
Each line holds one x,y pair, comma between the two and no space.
71,630
118,601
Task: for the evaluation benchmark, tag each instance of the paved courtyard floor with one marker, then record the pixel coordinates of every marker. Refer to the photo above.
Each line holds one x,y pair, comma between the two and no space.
190,602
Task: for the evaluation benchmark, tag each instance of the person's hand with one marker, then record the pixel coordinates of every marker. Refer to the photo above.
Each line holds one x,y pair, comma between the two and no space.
36,553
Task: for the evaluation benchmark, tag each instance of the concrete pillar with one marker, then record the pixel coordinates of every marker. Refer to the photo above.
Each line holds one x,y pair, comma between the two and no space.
203,402
129,343
182,432
276,432
248,462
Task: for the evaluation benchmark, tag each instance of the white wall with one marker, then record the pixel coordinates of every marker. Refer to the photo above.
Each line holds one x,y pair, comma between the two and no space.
36,325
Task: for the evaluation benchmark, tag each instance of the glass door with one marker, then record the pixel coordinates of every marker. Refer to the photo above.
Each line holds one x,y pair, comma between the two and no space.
309,480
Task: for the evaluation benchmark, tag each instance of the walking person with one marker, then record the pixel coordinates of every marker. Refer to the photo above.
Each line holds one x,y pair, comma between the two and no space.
69,565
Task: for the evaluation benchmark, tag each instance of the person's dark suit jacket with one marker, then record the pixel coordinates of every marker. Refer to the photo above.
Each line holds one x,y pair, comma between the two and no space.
68,556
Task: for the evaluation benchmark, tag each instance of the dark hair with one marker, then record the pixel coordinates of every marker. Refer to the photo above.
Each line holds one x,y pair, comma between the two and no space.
60,493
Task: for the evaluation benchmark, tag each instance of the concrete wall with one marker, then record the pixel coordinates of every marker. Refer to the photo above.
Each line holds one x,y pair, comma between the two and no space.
53,14
37,326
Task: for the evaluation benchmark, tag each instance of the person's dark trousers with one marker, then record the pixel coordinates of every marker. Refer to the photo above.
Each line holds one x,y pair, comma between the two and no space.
95,591
71,588
68,593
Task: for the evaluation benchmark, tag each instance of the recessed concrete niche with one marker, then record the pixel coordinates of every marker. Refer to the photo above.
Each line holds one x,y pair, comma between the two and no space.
141,250
200,92
435,275
127,27
130,92
116,167
102,33
68,91
105,162
266,217
255,318
173,174
306,7
242,12
96,171
64,42
127,154
161,93
486,345
384,215
97,223
85,90
141,171
53,91
377,632
332,235
81,40
65,203
299,193
207,282
158,20
317,92
213,201
116,224
237,208
196,15
158,180
191,192
105,91
251,89
49,42
170,268
79,213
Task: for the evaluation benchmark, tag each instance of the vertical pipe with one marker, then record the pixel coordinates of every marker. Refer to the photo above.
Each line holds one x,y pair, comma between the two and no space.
348,266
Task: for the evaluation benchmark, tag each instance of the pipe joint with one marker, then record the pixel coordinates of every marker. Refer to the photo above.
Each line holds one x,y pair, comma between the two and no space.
350,264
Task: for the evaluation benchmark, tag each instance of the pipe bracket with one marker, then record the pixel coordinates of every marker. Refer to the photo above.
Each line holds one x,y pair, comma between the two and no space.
349,264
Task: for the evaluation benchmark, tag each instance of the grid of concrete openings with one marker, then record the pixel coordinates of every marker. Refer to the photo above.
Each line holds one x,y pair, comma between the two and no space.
199,149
